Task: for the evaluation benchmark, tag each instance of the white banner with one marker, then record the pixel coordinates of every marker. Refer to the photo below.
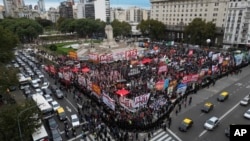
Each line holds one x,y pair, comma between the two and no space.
127,103
108,101
141,100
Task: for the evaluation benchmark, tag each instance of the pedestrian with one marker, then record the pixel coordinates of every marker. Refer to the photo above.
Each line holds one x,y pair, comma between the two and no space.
190,101
176,112
179,107
185,104
169,122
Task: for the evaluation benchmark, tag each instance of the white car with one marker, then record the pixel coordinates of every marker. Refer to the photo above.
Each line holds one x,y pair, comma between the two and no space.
48,98
55,105
45,85
211,123
245,101
247,114
39,91
75,121
34,84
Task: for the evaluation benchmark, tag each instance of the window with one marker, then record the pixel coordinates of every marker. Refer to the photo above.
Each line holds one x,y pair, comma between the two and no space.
206,10
216,9
235,5
215,14
190,15
216,4
205,15
200,10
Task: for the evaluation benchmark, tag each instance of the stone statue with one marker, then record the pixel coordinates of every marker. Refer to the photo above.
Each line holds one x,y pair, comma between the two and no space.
109,32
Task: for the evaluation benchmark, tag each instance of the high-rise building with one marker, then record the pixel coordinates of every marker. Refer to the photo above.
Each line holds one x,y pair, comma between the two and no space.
237,25
136,15
118,14
12,7
95,9
66,10
41,6
8,6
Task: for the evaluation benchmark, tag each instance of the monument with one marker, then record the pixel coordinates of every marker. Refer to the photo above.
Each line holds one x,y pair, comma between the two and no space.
109,42
109,49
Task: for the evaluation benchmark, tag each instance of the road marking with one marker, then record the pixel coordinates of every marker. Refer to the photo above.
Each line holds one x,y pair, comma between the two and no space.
173,134
68,109
220,118
71,104
201,114
248,86
202,133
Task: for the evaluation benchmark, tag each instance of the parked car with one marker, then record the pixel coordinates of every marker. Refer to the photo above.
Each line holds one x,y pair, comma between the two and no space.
56,136
39,91
27,91
47,91
211,123
52,123
53,88
59,93
45,85
48,98
55,105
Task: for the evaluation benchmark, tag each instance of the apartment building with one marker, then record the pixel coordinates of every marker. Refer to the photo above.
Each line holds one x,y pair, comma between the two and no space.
237,26
178,14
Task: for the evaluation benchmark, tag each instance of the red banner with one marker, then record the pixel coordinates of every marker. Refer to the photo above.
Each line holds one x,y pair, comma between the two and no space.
52,69
190,53
190,78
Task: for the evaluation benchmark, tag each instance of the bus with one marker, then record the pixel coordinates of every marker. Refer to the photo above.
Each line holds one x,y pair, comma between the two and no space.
43,105
40,134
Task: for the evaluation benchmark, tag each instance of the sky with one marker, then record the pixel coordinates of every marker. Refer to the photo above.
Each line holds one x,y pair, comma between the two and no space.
113,3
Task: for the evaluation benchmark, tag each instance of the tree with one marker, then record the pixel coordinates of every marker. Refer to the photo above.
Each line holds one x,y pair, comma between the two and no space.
53,47
8,42
199,31
152,28
26,29
121,28
29,120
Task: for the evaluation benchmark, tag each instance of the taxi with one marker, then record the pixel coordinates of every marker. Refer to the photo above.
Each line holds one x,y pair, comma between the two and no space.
223,96
207,107
185,124
61,114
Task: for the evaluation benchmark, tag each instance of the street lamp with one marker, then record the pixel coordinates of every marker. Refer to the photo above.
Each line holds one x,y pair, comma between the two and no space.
18,123
208,42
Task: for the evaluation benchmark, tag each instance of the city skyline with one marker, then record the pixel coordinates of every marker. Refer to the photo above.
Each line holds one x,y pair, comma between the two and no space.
114,3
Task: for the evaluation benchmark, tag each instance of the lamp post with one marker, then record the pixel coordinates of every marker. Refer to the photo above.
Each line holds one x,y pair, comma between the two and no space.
188,40
18,123
208,42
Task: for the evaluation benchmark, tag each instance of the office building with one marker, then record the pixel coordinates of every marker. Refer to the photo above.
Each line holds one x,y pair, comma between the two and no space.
53,14
66,10
41,6
177,14
237,26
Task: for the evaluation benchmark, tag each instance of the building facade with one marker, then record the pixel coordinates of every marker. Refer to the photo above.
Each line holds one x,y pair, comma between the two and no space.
118,14
66,10
94,9
178,14
53,14
237,25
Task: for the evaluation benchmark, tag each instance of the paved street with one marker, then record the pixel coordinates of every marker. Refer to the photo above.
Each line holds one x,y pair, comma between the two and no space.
238,87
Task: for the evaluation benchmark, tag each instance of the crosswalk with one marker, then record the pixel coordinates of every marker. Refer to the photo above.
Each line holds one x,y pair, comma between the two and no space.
91,137
161,135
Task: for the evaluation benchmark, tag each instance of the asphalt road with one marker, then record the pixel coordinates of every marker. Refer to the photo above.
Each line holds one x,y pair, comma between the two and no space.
238,87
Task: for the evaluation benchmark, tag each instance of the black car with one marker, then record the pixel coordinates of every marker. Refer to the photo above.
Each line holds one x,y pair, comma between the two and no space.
47,91
53,88
59,94
52,123
56,136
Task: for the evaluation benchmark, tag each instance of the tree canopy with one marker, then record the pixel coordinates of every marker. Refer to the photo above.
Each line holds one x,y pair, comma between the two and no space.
121,28
152,28
28,119
199,31
26,29
8,42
